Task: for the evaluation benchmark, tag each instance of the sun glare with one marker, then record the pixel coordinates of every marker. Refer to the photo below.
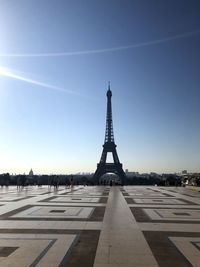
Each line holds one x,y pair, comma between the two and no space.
15,75
2,71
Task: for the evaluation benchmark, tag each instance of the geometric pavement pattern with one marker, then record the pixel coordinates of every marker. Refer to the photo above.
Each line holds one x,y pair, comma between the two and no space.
100,226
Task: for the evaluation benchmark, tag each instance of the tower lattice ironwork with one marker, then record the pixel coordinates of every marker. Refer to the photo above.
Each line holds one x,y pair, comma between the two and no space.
109,146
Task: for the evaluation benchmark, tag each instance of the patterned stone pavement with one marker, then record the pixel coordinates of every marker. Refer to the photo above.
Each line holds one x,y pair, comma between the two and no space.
128,226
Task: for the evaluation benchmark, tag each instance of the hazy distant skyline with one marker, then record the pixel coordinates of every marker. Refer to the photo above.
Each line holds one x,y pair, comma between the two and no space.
56,58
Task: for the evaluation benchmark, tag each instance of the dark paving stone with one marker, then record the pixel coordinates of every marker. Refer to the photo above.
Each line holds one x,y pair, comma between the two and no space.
181,213
6,251
97,214
165,252
103,200
125,194
129,201
83,252
57,211
140,215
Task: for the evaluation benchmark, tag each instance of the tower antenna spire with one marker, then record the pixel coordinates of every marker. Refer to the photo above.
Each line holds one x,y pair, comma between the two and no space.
108,85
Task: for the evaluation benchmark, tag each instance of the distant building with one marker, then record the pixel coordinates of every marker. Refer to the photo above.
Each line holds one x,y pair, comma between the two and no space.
31,173
132,173
154,174
184,172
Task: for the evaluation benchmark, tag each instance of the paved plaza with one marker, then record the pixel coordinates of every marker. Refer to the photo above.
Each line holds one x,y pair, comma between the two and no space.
141,226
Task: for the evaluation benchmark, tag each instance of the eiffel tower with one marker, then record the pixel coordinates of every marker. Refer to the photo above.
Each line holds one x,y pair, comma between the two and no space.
109,146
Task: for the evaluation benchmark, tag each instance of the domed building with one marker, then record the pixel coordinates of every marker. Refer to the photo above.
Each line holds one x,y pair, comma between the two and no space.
31,173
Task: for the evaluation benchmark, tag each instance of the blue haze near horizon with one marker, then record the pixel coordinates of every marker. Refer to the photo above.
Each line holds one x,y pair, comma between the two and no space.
155,87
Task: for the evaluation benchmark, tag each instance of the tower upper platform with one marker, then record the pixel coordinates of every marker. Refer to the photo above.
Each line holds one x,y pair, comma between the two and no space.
109,92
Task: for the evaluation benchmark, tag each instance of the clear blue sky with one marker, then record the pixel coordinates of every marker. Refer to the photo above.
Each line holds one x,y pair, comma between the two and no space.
53,106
